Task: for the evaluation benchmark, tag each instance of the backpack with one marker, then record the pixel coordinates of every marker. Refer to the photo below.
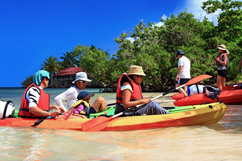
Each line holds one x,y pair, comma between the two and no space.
212,93
7,109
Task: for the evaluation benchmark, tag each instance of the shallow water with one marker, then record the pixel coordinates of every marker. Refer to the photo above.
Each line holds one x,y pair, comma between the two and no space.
221,141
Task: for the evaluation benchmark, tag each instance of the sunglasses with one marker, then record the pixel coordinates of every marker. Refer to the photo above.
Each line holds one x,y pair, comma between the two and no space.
140,76
83,82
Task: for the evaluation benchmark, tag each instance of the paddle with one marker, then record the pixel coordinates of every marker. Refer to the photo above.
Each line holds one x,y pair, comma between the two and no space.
39,121
101,122
69,113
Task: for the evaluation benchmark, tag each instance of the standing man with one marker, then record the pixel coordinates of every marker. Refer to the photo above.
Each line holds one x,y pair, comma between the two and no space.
183,74
35,102
70,95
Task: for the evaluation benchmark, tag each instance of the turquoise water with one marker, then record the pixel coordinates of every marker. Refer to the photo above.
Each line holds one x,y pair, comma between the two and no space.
15,94
221,141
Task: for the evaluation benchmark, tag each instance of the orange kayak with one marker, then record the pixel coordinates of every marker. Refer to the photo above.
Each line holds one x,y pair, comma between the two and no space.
179,116
230,95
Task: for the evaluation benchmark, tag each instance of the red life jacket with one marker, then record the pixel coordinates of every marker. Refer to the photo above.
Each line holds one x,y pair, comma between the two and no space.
42,104
137,90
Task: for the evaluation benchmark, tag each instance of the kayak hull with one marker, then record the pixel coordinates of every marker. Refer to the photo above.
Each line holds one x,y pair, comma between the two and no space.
229,97
185,116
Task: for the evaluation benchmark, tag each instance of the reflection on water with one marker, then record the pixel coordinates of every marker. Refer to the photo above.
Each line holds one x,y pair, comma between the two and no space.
221,141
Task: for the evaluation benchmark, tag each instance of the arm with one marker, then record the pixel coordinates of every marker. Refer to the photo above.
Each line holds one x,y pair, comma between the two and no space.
179,71
62,97
240,64
42,113
126,99
223,62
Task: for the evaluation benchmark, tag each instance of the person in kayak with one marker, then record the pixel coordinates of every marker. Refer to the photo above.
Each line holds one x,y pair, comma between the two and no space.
222,63
183,74
35,102
70,95
129,94
82,106
209,91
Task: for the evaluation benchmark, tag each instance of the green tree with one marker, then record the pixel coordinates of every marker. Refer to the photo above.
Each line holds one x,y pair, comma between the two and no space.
96,62
229,31
230,18
27,81
69,60
51,64
154,48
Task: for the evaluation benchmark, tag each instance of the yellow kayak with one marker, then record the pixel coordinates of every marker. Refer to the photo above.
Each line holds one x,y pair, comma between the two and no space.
179,116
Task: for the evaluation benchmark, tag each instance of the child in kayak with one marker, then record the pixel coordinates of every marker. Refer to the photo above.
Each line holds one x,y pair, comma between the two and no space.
82,106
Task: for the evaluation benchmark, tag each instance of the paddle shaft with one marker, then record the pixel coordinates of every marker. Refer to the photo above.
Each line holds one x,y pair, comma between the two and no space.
192,81
102,123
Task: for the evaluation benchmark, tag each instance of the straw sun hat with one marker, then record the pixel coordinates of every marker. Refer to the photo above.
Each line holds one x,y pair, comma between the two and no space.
223,47
136,70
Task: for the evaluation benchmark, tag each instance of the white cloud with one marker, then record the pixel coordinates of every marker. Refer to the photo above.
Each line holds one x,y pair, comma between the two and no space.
164,16
159,24
130,39
194,7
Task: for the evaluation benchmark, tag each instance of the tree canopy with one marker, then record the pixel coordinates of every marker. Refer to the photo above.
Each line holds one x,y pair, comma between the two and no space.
154,48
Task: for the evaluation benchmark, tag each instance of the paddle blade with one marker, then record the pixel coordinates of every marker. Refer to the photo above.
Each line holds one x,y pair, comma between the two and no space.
198,79
68,114
96,124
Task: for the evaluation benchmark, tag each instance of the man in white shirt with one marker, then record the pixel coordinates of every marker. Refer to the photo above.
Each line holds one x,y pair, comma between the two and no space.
70,95
183,74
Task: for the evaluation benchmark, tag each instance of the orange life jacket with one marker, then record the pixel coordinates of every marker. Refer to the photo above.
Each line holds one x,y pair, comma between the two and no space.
42,104
137,90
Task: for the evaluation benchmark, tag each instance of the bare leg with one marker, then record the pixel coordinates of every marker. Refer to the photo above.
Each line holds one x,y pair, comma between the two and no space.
223,79
99,104
185,89
219,82
181,90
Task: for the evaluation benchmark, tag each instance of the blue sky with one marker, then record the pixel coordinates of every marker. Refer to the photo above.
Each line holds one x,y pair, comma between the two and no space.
32,30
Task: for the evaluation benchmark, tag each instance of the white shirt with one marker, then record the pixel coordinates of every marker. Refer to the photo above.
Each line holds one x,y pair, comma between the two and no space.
127,87
70,95
185,62
193,89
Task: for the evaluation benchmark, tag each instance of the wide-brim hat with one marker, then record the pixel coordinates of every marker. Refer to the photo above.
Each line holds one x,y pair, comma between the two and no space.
81,76
179,52
223,47
84,95
136,70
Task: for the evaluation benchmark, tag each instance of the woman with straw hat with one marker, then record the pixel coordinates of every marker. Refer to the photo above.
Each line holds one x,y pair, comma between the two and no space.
222,63
129,94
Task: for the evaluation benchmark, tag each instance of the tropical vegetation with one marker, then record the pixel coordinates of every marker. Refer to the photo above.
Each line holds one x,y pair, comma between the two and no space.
154,48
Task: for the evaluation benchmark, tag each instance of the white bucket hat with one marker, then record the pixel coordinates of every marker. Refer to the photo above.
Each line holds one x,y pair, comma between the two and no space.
81,76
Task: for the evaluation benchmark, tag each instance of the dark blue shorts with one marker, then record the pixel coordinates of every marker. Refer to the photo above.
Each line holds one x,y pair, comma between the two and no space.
222,73
92,110
182,81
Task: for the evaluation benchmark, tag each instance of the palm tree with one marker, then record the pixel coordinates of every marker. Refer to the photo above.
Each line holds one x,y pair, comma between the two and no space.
51,65
69,60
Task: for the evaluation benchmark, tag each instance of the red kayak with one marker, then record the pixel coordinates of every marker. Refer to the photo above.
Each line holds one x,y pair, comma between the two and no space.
229,95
